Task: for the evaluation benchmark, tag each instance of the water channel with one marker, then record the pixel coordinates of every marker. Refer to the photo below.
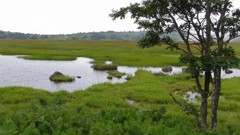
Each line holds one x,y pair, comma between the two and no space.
15,71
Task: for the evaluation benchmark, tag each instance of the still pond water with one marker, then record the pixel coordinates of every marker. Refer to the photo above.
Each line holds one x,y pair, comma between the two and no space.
16,71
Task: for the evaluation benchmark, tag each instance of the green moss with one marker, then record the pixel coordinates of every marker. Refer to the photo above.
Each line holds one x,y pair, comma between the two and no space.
63,79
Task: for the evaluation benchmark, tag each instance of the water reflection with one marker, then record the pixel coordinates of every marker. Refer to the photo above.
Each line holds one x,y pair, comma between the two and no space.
191,97
15,71
34,73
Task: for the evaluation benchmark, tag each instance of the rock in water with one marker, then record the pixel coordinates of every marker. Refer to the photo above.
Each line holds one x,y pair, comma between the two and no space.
59,77
55,74
228,71
167,69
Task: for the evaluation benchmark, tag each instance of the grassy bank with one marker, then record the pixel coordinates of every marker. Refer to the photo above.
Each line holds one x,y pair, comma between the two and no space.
120,52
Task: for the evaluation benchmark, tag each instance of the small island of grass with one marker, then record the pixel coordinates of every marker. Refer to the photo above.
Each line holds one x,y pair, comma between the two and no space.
116,73
59,77
103,66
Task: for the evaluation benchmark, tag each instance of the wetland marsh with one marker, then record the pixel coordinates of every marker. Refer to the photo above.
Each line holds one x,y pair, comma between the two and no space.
128,107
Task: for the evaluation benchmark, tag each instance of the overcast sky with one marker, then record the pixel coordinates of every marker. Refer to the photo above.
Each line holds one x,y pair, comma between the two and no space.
64,16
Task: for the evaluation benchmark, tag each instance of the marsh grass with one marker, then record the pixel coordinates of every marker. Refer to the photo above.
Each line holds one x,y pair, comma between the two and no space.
103,66
55,58
103,108
129,77
119,52
116,73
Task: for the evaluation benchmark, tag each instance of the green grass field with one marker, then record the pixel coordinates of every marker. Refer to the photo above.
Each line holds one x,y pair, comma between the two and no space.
140,106
120,52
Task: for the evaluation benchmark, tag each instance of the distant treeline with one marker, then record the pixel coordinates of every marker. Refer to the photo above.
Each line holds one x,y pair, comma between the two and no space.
108,35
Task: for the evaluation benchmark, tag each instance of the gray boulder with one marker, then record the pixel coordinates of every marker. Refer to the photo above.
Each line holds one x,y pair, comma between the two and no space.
167,69
60,77
228,71
55,74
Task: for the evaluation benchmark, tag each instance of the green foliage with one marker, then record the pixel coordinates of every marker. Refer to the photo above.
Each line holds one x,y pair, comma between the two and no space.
225,59
55,120
194,65
161,17
48,120
150,39
31,130
154,115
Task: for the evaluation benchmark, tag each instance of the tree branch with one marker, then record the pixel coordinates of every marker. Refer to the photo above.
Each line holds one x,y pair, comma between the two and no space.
187,108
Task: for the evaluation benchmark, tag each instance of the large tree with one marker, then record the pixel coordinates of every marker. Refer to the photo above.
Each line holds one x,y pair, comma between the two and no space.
203,25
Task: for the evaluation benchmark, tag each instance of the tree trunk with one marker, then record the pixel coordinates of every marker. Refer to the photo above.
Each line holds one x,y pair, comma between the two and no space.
203,112
207,80
216,96
204,96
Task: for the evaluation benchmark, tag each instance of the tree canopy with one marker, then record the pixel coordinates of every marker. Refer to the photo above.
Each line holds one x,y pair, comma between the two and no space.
203,25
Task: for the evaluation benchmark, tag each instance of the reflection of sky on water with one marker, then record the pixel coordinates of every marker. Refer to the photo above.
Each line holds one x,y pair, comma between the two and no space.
236,73
35,73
